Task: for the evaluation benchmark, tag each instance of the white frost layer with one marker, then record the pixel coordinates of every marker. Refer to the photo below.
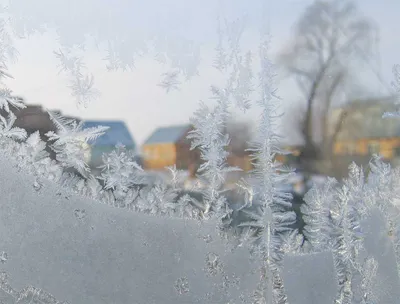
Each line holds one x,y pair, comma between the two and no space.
82,251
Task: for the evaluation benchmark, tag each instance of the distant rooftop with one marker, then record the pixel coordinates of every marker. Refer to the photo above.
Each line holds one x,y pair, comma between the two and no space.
167,134
117,133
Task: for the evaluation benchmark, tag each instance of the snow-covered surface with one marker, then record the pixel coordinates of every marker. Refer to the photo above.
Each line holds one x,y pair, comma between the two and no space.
81,251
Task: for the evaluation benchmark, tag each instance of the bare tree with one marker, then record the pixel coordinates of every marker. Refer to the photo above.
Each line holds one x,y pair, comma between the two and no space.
327,42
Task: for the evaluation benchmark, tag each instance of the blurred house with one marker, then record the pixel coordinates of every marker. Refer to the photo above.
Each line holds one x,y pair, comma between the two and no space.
168,146
358,131
364,132
117,133
33,118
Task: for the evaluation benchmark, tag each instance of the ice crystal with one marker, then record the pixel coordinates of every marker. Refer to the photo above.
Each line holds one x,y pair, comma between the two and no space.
369,272
8,53
317,215
69,139
170,81
120,171
28,294
213,264
7,100
208,137
119,56
7,128
220,62
80,214
83,89
3,257
81,84
384,193
207,238
182,286
37,185
69,63
270,213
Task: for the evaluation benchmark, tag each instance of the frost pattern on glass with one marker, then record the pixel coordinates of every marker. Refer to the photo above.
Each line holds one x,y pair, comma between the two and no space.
81,84
80,214
229,59
369,271
182,286
213,264
120,42
339,209
122,183
28,294
384,193
37,185
209,134
118,56
170,81
3,257
229,282
207,238
7,128
266,205
69,139
333,211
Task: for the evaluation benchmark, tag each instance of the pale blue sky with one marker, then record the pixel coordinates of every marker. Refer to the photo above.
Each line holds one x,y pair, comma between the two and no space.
134,96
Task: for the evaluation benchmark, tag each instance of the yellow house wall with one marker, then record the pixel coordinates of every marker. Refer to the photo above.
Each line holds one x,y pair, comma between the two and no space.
159,156
280,158
386,146
340,148
248,164
242,162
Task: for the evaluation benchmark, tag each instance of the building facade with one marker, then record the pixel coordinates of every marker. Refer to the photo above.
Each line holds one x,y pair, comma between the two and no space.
169,146
364,133
118,133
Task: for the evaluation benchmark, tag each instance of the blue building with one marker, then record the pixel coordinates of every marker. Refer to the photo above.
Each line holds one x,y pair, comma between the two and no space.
117,133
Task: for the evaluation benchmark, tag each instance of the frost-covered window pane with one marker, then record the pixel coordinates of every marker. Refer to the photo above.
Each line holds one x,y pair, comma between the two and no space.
199,152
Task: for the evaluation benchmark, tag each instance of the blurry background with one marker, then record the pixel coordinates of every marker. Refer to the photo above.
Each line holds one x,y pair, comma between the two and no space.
142,68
